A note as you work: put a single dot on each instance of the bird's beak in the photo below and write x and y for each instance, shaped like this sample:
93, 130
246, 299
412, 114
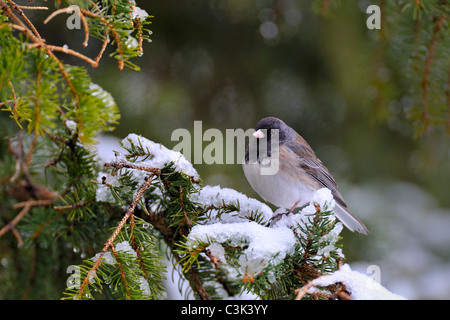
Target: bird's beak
258, 134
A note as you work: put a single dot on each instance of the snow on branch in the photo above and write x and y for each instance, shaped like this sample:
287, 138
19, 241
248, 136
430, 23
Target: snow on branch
152, 154
229, 244
358, 284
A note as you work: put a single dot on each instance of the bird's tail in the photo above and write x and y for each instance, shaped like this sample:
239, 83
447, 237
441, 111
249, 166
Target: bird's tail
349, 220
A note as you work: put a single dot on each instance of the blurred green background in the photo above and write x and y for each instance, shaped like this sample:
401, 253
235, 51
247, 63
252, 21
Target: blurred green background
230, 63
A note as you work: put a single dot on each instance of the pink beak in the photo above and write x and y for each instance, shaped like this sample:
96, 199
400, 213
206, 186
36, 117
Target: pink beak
258, 134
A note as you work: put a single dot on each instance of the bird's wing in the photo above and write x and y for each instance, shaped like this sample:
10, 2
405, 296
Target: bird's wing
315, 168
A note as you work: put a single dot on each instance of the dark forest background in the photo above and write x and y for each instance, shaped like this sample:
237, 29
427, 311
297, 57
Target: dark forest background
351, 92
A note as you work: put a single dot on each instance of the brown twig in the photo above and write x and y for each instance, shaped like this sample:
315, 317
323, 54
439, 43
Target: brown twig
55, 13
306, 271
198, 284
110, 242
21, 164
336, 290
37, 41
33, 203
11, 225
24, 17
113, 30
139, 35
120, 62
73, 53
75, 205
122, 273
300, 293
86, 29
85, 13
26, 206
123, 164
14, 101
104, 45
18, 22
18, 236
186, 218
32, 7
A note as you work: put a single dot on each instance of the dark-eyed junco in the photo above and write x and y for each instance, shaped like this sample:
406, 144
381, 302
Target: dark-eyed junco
299, 175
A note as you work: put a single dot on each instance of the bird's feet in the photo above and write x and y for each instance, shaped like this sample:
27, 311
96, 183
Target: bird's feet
278, 216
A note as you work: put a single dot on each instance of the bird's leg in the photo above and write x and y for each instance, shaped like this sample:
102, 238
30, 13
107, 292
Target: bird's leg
295, 206
279, 215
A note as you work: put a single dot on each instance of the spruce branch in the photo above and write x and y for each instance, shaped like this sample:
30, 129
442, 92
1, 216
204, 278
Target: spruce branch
121, 268
63, 111
74, 53
40, 196
110, 242
25, 18
336, 291
177, 214
34, 36
120, 164
23, 167
102, 25
26, 207
11, 225
112, 27
14, 102
32, 7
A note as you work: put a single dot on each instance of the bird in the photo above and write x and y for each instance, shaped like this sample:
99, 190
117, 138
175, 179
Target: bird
299, 174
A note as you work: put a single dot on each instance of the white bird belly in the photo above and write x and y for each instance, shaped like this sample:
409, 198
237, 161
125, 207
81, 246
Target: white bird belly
278, 189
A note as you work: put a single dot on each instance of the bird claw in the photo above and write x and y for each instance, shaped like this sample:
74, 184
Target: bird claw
278, 216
